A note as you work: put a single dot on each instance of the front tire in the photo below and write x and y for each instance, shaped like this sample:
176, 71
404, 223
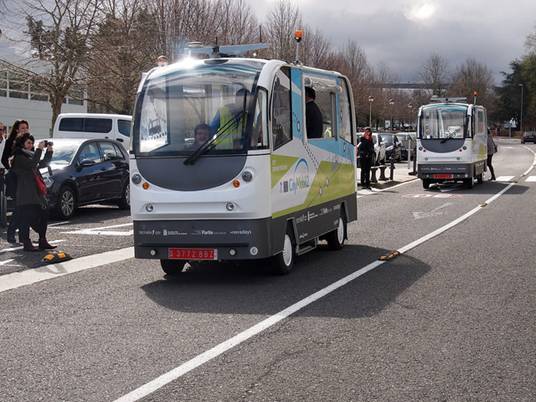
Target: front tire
66, 203
172, 267
124, 201
283, 262
468, 183
337, 237
425, 184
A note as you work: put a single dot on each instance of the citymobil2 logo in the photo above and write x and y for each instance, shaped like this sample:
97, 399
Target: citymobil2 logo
298, 180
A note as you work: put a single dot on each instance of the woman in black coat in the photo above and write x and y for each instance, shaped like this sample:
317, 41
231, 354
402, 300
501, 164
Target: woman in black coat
366, 156
31, 200
19, 128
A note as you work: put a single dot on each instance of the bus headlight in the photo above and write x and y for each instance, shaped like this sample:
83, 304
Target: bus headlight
136, 178
247, 176
229, 206
149, 207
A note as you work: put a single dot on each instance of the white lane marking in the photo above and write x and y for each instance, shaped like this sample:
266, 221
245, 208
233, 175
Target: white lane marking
505, 178
223, 347
6, 261
58, 224
31, 276
363, 192
434, 212
5, 250
533, 163
455, 222
102, 231
531, 179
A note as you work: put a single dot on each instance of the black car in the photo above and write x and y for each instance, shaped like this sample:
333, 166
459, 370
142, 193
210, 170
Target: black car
528, 136
86, 172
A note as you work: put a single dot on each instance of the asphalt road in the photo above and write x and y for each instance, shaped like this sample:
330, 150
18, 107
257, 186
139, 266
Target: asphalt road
453, 319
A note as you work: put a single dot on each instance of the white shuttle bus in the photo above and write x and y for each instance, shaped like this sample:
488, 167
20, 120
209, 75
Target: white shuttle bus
222, 167
452, 142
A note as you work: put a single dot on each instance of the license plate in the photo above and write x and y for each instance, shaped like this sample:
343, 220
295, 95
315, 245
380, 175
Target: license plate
192, 254
443, 176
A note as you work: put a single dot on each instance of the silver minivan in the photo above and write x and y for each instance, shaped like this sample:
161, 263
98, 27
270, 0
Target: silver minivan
94, 126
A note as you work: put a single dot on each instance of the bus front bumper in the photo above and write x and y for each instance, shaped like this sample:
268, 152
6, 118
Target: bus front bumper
445, 171
203, 239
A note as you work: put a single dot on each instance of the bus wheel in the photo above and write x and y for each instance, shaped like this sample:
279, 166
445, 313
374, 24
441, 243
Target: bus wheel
425, 184
172, 267
336, 238
468, 183
283, 262
480, 178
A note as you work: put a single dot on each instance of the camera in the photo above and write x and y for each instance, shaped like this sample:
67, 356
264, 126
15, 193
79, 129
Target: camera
47, 143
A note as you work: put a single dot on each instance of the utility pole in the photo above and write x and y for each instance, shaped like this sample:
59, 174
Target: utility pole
521, 114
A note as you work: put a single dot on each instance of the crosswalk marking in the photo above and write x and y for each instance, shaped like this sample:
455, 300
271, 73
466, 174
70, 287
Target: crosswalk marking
531, 179
505, 178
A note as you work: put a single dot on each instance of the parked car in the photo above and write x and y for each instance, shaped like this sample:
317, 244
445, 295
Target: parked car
86, 172
407, 141
379, 149
393, 146
528, 136
95, 126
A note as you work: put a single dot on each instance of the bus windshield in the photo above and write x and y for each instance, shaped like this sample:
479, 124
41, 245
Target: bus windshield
182, 111
443, 122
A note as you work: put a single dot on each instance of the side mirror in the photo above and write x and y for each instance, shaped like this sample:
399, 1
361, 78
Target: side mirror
86, 163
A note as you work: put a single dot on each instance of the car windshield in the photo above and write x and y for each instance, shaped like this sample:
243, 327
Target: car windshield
387, 139
182, 110
64, 152
443, 121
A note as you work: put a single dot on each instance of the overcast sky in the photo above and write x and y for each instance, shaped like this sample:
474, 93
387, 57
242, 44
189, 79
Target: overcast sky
403, 33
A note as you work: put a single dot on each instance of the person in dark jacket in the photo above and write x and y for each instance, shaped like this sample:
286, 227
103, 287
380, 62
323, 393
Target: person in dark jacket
313, 116
492, 148
31, 200
366, 156
19, 128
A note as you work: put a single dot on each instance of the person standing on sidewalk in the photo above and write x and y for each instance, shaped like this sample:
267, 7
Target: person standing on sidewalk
19, 128
31, 196
366, 155
492, 148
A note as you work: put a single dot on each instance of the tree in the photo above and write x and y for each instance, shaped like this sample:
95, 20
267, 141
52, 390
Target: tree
509, 94
473, 76
434, 73
283, 20
59, 42
123, 47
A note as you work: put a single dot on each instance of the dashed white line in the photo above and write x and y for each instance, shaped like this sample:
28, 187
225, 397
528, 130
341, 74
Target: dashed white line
223, 347
505, 178
531, 179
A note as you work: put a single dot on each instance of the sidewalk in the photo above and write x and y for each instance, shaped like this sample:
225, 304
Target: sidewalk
401, 175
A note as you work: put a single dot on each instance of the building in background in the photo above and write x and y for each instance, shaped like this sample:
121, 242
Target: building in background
20, 100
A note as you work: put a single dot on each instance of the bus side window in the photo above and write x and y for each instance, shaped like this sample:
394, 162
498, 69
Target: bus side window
325, 90
345, 126
281, 109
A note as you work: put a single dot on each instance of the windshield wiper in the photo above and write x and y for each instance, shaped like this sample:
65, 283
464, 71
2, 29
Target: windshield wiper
210, 142
450, 137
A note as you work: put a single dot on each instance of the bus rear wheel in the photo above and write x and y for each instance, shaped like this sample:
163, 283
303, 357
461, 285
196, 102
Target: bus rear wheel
468, 183
283, 262
336, 238
172, 267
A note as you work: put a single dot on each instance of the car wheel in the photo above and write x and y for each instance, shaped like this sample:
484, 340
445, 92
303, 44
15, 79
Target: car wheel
172, 267
425, 184
336, 238
124, 201
283, 262
66, 204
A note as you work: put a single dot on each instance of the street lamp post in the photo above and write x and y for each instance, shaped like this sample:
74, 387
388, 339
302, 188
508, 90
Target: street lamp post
521, 116
391, 103
370, 99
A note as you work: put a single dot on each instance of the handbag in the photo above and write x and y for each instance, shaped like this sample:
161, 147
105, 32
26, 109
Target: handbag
41, 186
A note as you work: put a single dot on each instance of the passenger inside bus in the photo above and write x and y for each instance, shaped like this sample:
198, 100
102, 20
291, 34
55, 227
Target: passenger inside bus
201, 135
313, 115
230, 121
